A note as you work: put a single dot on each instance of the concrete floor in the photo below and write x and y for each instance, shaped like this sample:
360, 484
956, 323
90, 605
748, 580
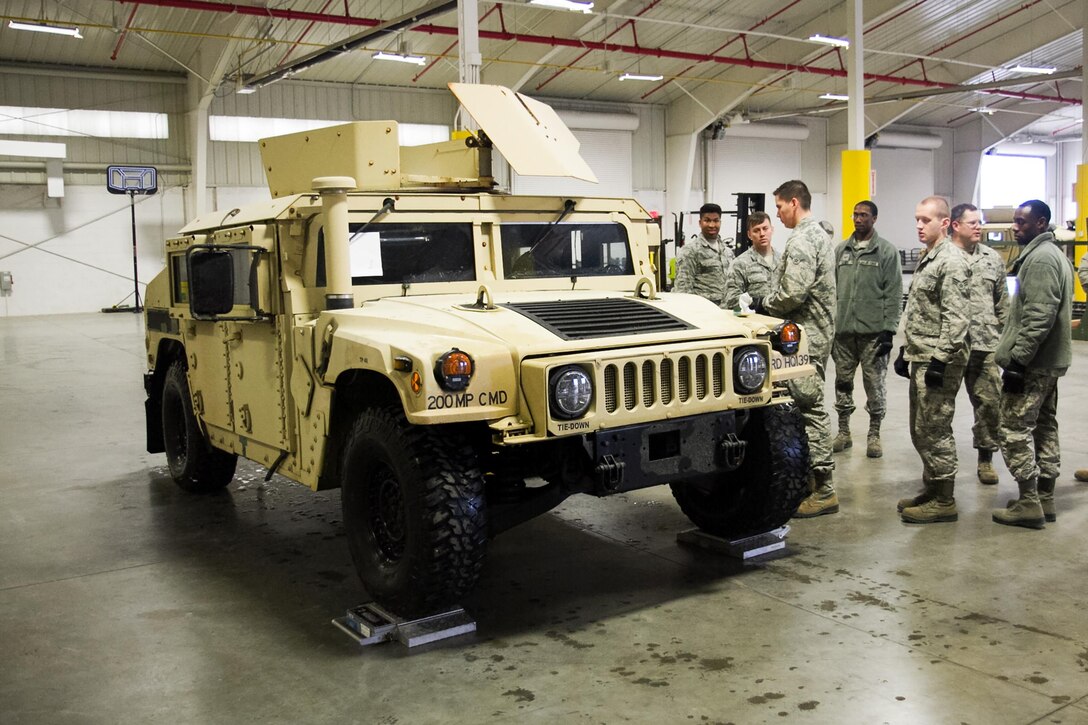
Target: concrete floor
122, 599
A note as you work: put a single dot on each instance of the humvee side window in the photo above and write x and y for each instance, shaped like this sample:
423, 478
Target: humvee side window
179, 279
398, 253
583, 250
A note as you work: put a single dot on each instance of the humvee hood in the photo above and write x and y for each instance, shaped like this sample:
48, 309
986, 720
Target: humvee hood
543, 322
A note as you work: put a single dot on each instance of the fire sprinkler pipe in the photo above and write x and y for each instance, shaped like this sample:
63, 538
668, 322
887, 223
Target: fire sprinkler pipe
581, 44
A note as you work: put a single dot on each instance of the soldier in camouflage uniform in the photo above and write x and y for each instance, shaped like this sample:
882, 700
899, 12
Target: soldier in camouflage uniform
1035, 350
751, 271
803, 288
989, 307
869, 280
935, 324
703, 266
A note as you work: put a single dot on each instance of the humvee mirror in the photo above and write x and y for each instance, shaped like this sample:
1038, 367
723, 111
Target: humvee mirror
211, 283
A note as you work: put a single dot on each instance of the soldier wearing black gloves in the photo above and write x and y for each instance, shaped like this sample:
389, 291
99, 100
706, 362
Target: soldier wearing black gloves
870, 285
1035, 350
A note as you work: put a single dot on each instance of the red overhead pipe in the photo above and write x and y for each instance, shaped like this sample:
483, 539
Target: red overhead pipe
551, 40
452, 45
124, 32
305, 32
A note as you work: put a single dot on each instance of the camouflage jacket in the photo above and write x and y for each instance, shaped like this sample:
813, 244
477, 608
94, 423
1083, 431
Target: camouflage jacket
803, 286
702, 269
935, 321
751, 272
989, 298
1037, 334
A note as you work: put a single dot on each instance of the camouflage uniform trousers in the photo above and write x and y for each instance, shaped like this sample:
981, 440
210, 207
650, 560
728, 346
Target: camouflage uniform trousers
983, 382
848, 352
931, 411
808, 393
1029, 428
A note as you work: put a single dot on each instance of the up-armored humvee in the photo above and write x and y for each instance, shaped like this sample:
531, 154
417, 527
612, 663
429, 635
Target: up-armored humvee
458, 360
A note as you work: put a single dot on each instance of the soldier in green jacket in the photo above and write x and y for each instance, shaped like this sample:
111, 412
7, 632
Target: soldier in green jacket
869, 284
935, 326
803, 289
704, 265
1035, 350
989, 308
751, 272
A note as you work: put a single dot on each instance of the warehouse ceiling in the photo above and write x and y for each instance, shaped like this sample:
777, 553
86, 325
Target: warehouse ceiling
748, 57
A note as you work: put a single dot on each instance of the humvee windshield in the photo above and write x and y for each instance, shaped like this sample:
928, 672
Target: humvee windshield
564, 250
384, 253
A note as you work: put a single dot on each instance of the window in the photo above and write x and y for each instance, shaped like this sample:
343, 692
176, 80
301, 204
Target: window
564, 250
31, 121
1011, 180
400, 253
180, 279
250, 129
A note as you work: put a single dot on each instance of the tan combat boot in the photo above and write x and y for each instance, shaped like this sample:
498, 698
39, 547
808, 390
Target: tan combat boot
873, 448
1046, 498
822, 500
942, 507
986, 472
842, 441
1025, 511
918, 499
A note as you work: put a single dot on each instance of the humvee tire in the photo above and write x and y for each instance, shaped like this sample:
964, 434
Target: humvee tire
414, 512
194, 465
767, 488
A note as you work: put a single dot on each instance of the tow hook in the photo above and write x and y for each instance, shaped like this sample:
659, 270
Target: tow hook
732, 451
610, 473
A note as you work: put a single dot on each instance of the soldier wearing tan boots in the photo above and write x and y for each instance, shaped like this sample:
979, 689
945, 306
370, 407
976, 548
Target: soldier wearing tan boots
1035, 349
988, 310
935, 326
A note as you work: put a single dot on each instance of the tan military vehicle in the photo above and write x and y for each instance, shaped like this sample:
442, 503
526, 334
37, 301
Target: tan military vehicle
457, 360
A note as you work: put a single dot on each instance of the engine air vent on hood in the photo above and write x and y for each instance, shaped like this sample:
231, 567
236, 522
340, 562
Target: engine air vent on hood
582, 319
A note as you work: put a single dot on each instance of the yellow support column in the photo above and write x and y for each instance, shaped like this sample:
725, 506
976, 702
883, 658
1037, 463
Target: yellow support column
856, 167
1082, 221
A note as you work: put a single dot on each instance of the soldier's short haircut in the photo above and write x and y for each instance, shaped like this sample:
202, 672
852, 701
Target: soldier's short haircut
795, 189
960, 209
1039, 209
709, 209
756, 218
871, 205
940, 204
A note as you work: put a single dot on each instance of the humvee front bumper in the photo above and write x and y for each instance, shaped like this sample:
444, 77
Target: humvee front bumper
692, 449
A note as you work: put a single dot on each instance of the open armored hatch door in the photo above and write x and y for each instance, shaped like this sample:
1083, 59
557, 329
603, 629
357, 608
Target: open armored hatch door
528, 133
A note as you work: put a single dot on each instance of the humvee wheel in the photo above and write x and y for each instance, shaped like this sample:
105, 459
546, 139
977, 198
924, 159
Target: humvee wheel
414, 512
766, 489
194, 464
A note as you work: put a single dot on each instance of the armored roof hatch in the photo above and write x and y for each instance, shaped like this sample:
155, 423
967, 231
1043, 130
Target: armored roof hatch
528, 133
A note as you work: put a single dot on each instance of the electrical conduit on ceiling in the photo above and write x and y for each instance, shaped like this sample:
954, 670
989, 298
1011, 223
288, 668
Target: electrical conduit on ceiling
553, 41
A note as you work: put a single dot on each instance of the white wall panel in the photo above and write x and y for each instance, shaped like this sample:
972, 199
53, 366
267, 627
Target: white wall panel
76, 255
903, 178
608, 153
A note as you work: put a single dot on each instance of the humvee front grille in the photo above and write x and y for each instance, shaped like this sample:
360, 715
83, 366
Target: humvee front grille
699, 376
584, 319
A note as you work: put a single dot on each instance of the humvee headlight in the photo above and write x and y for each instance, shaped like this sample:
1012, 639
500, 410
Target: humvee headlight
786, 338
453, 370
571, 392
749, 370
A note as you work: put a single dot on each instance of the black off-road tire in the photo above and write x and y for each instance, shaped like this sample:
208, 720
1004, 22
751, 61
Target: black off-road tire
194, 464
767, 488
414, 512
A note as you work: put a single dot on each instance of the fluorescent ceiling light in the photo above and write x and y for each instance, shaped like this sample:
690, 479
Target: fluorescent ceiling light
639, 77
1043, 69
574, 5
984, 109
400, 57
245, 90
828, 40
835, 97
45, 28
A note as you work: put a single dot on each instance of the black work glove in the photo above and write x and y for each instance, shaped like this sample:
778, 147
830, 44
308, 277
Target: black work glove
901, 366
935, 373
757, 306
883, 343
1012, 380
